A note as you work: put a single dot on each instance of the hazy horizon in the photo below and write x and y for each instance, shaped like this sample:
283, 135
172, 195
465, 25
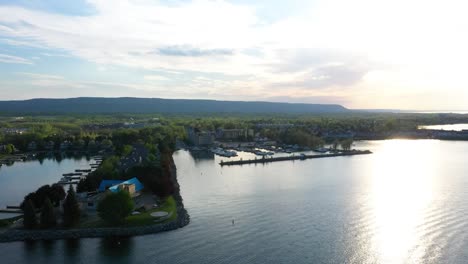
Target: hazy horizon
361, 54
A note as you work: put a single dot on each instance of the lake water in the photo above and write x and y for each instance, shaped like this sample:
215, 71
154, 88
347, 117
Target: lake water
454, 127
22, 178
406, 203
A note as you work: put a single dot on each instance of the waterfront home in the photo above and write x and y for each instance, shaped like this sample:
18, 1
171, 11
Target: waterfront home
65, 145
50, 145
15, 131
106, 184
89, 201
92, 145
32, 146
132, 186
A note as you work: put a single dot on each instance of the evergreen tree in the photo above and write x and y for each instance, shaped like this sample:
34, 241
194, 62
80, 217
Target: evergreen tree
29, 219
71, 209
48, 219
115, 207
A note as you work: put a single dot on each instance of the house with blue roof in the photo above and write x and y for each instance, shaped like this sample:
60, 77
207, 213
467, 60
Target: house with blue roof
132, 186
106, 184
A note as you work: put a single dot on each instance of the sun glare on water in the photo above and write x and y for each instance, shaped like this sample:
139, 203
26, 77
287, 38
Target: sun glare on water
402, 188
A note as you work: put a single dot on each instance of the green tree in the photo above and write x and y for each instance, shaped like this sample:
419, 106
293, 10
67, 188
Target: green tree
29, 219
9, 149
347, 144
115, 207
71, 209
48, 219
335, 145
106, 143
127, 149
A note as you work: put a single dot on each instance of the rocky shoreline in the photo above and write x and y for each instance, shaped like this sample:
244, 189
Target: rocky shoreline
182, 220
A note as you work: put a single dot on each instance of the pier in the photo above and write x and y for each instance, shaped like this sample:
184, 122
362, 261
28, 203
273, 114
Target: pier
298, 157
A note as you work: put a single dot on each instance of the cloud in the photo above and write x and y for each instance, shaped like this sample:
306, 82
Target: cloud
320, 51
13, 42
155, 78
14, 59
193, 52
40, 76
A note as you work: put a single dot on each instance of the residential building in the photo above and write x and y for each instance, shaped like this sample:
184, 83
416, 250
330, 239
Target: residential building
234, 134
200, 138
32, 146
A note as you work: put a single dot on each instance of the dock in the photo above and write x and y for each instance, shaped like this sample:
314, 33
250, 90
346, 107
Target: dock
72, 174
11, 211
87, 170
296, 157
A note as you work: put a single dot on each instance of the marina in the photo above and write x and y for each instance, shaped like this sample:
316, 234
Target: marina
22, 174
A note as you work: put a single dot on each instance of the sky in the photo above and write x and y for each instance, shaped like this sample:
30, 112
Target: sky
375, 54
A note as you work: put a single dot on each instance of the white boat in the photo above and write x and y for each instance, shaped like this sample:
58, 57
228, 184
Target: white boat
224, 153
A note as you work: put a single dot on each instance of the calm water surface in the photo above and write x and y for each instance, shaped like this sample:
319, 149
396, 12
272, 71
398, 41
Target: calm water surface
454, 127
22, 178
406, 203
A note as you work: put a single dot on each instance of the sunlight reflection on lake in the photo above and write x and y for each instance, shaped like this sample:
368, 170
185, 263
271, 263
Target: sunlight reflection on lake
405, 203
403, 185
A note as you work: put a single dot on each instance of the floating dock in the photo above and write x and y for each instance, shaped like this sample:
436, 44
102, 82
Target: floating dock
10, 211
88, 170
295, 157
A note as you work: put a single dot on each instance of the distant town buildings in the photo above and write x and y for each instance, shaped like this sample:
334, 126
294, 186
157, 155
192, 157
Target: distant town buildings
272, 125
207, 138
50, 145
234, 134
200, 138
32, 146
14, 131
65, 145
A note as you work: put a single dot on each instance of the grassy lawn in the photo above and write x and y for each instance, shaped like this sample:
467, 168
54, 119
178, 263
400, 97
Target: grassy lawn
7, 222
142, 219
146, 219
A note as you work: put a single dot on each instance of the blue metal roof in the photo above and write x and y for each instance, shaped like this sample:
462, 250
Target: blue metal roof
105, 184
138, 185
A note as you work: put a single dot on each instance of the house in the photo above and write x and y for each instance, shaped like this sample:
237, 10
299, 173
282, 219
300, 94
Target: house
32, 146
15, 131
132, 186
106, 184
65, 145
90, 201
92, 145
50, 145
139, 154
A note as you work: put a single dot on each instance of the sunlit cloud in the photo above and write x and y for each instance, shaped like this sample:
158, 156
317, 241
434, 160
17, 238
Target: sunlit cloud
14, 59
373, 53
